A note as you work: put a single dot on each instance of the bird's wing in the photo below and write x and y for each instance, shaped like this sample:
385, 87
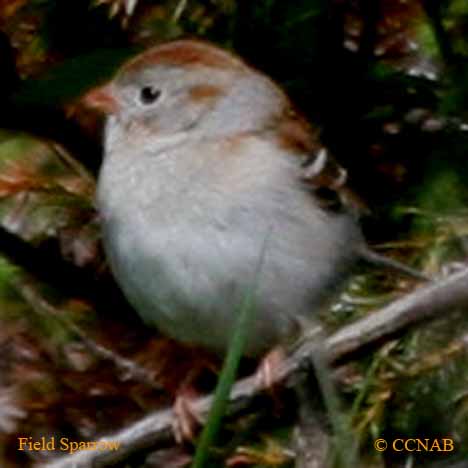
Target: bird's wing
321, 173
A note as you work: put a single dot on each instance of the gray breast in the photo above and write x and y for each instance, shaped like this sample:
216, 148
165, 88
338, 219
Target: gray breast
186, 253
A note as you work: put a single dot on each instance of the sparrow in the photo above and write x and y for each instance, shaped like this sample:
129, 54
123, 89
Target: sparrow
213, 186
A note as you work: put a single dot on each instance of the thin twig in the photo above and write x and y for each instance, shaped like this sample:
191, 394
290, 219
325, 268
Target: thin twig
127, 368
424, 303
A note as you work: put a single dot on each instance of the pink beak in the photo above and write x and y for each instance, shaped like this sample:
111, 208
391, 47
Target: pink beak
101, 98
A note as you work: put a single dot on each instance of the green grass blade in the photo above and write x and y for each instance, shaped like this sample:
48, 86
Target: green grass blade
229, 370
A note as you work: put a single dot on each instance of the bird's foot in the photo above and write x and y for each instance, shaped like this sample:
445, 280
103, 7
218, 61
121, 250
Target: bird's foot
268, 371
186, 419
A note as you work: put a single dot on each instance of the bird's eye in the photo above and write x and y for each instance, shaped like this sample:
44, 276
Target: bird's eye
149, 95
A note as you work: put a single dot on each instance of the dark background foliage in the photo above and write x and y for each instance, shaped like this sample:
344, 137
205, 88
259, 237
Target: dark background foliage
384, 80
